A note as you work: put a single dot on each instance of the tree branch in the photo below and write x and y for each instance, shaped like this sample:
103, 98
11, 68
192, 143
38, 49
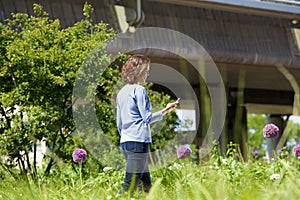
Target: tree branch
3, 113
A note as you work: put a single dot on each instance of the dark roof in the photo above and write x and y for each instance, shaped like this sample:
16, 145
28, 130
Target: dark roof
68, 11
227, 36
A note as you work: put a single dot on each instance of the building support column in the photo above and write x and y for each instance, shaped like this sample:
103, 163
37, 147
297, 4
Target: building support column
237, 129
203, 116
237, 117
223, 140
244, 135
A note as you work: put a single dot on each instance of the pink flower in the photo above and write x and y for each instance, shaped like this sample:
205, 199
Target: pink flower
255, 153
79, 155
184, 152
282, 153
296, 150
270, 131
279, 151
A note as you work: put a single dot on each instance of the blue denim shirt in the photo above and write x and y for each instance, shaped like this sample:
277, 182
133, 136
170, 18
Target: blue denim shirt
134, 114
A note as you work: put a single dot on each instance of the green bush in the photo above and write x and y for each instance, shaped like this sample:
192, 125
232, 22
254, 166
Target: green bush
40, 62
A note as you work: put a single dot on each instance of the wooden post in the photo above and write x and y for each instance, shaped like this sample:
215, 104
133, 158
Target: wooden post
223, 141
244, 136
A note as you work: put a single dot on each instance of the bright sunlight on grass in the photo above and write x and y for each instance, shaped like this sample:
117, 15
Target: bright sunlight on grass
217, 178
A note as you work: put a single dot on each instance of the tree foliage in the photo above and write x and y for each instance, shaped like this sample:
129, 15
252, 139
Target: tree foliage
293, 130
256, 124
39, 64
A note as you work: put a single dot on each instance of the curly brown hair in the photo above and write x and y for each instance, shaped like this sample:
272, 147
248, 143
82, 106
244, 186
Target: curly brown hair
134, 67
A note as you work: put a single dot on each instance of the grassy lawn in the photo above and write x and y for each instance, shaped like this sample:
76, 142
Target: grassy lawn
217, 178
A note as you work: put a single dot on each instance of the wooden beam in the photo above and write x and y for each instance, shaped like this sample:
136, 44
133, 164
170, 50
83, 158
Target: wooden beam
260, 96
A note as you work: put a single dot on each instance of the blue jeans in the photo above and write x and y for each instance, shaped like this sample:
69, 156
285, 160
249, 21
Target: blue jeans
137, 171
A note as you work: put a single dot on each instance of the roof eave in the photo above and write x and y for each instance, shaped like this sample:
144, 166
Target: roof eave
262, 8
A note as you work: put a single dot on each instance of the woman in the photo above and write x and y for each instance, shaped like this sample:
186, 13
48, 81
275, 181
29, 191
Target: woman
134, 117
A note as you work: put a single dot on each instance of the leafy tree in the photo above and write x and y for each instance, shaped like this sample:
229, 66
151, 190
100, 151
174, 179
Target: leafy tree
293, 130
39, 64
256, 124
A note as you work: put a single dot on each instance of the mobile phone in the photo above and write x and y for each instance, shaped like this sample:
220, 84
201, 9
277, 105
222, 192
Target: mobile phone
178, 100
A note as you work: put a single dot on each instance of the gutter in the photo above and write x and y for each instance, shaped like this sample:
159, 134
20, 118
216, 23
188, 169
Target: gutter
253, 7
129, 14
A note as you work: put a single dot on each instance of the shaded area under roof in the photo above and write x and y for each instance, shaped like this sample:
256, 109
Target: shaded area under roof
229, 37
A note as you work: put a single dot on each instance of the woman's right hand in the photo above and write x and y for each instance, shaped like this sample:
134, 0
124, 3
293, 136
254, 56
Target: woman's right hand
170, 107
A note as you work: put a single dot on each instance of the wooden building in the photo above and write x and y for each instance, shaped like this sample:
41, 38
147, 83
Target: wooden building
254, 44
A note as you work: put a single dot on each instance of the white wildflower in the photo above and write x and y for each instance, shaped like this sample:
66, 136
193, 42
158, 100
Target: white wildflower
224, 161
106, 169
275, 177
177, 166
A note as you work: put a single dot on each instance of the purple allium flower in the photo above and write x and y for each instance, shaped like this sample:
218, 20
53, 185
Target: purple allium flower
255, 153
270, 131
279, 151
79, 155
296, 150
184, 152
282, 153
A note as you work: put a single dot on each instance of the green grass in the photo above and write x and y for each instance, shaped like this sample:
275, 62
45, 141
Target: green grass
215, 179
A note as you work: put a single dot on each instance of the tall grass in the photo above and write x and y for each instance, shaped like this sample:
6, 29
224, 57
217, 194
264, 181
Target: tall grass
218, 178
